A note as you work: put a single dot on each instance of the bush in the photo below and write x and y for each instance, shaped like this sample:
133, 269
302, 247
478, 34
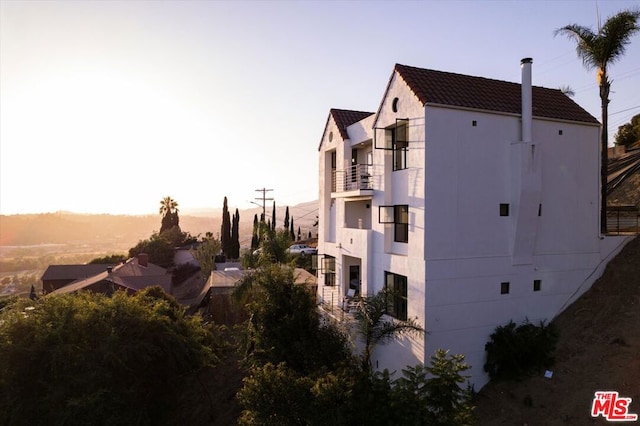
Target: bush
516, 351
89, 359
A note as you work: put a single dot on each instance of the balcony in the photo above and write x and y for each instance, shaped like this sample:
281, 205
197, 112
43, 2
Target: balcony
353, 181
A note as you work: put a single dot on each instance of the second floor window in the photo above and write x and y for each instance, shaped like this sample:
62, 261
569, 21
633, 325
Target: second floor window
398, 215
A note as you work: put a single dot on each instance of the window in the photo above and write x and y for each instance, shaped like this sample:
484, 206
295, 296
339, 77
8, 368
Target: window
504, 209
329, 269
504, 288
536, 285
399, 216
399, 144
396, 286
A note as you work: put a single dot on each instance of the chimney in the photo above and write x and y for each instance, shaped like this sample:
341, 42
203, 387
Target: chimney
143, 259
527, 96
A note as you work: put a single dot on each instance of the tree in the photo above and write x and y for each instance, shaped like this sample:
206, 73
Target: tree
234, 243
206, 252
286, 218
255, 242
160, 251
225, 229
433, 395
599, 50
293, 235
112, 259
273, 216
375, 327
169, 211
84, 358
629, 133
284, 323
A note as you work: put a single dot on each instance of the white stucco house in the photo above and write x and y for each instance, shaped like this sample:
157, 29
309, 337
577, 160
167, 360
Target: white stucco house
476, 199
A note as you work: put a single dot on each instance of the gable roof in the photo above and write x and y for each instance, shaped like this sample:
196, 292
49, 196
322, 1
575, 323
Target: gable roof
343, 119
129, 274
72, 272
459, 90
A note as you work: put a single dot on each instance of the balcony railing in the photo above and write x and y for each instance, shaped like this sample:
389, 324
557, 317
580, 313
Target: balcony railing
354, 178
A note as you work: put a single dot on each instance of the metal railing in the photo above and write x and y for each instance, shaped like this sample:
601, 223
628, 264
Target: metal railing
356, 177
624, 219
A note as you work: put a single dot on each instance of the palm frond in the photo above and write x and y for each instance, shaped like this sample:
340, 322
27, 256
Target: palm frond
586, 43
616, 33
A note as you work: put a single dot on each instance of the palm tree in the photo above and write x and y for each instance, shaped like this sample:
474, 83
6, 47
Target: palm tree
169, 211
599, 50
375, 328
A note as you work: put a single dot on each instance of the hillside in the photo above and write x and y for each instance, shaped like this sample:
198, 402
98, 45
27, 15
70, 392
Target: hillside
599, 349
124, 230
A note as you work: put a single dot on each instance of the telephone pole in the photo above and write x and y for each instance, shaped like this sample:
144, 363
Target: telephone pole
264, 201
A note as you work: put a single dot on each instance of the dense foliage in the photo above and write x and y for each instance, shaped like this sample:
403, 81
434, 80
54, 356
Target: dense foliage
285, 325
277, 395
516, 351
629, 133
159, 249
85, 358
111, 259
301, 370
169, 211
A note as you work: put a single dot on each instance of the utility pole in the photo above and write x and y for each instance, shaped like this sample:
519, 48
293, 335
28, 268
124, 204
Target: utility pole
264, 201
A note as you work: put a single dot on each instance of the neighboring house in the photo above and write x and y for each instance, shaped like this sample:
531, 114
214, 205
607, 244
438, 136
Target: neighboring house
222, 283
184, 255
476, 200
131, 276
58, 276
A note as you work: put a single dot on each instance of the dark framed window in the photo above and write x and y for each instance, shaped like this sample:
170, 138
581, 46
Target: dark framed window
329, 269
399, 144
504, 209
504, 288
536, 285
396, 286
398, 215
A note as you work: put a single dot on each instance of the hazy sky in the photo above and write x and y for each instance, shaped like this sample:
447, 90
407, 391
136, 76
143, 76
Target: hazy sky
108, 106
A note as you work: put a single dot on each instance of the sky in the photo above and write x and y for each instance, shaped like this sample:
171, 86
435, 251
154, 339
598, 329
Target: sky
109, 106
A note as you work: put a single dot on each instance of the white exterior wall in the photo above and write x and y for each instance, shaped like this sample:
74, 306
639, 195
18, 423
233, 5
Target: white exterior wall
470, 172
460, 249
401, 187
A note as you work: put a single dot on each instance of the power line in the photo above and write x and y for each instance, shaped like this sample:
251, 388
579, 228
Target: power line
624, 110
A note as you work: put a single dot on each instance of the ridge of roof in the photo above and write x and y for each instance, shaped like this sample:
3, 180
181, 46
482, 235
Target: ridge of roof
461, 90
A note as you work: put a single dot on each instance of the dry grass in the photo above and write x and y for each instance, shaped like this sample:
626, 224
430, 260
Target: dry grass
599, 349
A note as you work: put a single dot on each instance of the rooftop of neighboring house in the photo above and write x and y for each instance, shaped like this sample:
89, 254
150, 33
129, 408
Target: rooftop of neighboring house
229, 278
134, 274
465, 91
72, 272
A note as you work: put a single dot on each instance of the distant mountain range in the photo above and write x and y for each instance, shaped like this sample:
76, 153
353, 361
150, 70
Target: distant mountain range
65, 227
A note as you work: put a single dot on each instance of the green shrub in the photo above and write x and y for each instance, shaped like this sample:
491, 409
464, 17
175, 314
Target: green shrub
516, 351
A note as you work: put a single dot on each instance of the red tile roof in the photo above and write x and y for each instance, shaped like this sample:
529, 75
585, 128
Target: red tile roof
466, 91
345, 118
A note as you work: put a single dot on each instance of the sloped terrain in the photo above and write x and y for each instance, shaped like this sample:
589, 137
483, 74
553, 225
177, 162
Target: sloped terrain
598, 349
